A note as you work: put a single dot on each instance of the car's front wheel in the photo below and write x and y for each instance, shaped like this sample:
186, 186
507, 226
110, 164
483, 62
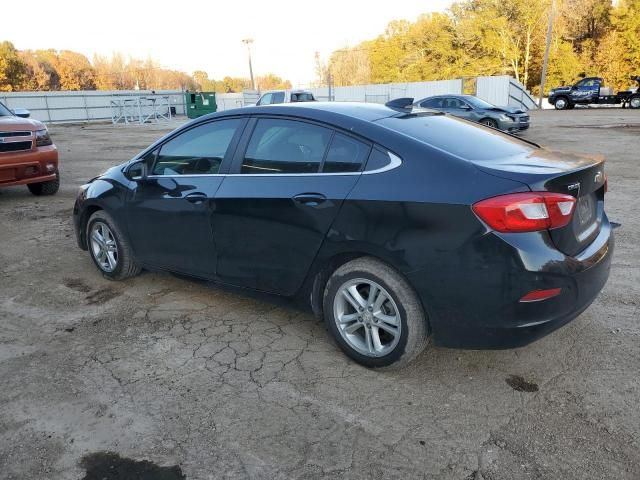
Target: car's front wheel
374, 314
489, 122
561, 103
45, 188
109, 248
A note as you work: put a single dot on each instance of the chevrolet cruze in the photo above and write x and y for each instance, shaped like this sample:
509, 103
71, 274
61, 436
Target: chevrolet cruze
399, 226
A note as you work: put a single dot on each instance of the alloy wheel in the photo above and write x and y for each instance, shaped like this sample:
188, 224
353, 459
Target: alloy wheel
367, 317
635, 102
104, 247
561, 103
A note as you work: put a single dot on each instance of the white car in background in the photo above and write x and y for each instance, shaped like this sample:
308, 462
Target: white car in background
285, 96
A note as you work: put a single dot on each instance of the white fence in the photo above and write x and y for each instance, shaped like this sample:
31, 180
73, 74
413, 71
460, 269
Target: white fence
504, 90
86, 106
83, 106
382, 93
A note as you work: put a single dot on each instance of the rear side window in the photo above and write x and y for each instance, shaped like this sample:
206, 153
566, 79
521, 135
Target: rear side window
457, 137
346, 154
377, 159
278, 97
302, 97
285, 146
197, 151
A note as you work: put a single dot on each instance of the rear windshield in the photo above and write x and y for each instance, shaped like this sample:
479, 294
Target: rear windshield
460, 138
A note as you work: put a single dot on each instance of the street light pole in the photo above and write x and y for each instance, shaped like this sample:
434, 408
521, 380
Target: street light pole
546, 53
248, 42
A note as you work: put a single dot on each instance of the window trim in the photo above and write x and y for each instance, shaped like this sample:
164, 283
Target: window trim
233, 159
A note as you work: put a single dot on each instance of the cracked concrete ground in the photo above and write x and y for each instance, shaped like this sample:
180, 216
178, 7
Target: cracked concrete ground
227, 385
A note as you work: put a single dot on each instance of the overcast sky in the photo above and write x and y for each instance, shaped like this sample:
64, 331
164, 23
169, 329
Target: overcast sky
206, 34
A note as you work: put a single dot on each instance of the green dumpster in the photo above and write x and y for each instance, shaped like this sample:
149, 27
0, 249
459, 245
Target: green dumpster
200, 103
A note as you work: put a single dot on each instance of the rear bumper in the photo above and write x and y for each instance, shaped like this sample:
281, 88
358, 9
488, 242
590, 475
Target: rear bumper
22, 168
484, 311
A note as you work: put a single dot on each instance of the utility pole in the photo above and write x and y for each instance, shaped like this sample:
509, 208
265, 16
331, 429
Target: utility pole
248, 42
329, 82
546, 52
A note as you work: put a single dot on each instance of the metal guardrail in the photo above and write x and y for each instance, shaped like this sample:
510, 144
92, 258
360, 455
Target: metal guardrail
49, 113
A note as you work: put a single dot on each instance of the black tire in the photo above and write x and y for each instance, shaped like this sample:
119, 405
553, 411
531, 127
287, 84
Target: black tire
45, 188
562, 103
413, 336
634, 101
126, 266
489, 122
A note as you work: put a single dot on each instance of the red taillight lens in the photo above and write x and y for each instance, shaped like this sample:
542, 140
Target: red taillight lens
526, 212
606, 183
539, 295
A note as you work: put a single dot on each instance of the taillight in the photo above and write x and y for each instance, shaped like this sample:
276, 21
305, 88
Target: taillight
526, 212
606, 183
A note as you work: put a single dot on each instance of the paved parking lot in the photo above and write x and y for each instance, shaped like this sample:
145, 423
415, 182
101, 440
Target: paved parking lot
222, 385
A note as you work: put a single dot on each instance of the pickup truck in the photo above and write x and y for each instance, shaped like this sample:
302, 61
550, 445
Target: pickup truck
285, 96
591, 91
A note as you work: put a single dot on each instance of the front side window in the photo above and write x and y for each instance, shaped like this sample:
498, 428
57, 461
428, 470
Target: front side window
4, 111
432, 103
346, 154
265, 99
198, 151
455, 104
587, 83
285, 146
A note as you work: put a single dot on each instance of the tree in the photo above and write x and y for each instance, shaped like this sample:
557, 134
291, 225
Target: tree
12, 68
271, 81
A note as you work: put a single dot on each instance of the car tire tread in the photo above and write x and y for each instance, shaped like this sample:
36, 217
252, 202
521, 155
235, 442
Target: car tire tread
45, 188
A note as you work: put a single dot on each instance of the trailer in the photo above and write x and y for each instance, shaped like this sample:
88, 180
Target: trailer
591, 91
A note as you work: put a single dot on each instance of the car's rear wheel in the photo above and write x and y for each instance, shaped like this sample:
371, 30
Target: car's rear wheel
489, 122
374, 314
634, 102
561, 103
109, 248
45, 188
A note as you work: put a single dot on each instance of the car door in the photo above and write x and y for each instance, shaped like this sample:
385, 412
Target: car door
459, 108
586, 91
273, 211
169, 211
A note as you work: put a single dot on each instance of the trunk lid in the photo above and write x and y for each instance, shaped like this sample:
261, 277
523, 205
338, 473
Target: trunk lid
580, 176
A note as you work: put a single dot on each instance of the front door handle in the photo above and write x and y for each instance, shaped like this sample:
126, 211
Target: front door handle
310, 199
196, 197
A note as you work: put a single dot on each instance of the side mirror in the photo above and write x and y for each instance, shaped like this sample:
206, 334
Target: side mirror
137, 171
21, 112
466, 107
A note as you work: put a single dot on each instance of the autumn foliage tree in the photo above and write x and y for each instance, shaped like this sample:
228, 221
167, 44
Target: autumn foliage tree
501, 37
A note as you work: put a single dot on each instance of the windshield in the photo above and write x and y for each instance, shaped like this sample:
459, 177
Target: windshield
476, 102
4, 111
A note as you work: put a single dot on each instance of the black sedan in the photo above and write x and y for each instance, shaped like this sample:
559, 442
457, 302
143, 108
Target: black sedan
398, 226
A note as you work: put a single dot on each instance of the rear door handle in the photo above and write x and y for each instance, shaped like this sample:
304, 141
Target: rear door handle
310, 199
196, 197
